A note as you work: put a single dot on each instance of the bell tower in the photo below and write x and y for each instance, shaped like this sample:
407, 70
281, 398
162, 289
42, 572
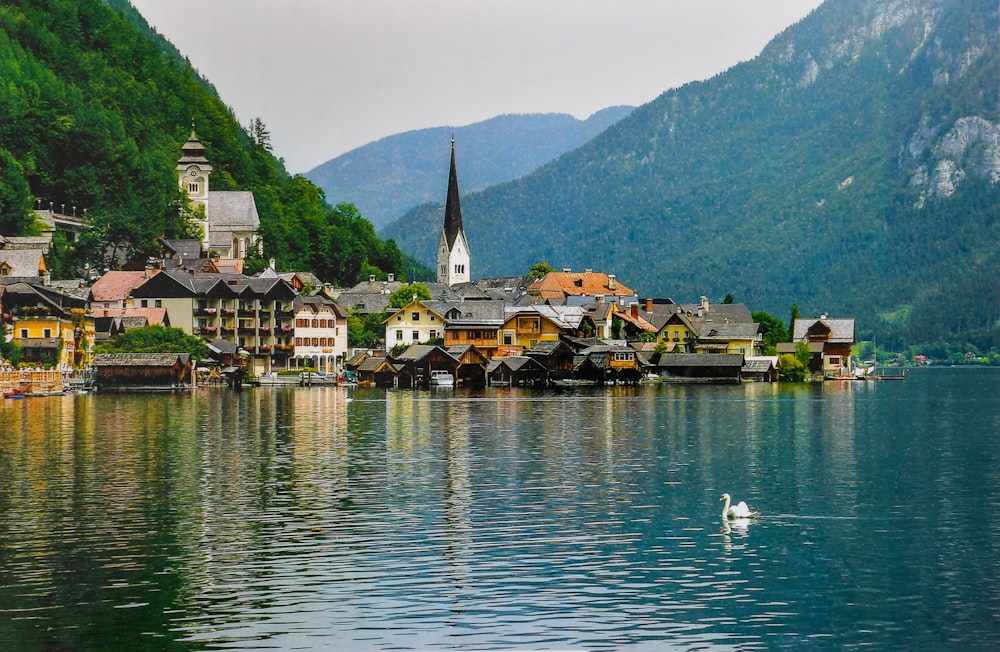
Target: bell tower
454, 259
193, 171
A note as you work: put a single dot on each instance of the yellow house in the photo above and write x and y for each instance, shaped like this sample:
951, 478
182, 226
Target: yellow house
51, 327
528, 325
413, 324
678, 332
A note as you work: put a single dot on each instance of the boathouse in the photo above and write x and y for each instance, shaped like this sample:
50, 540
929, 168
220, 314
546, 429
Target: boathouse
143, 370
701, 367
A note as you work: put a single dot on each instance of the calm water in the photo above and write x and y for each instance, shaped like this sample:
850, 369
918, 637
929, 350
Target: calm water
298, 519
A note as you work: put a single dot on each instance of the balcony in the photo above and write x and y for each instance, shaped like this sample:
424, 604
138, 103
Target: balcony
205, 312
285, 315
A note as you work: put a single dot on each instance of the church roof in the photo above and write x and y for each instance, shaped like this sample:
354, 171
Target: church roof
230, 211
193, 153
453, 206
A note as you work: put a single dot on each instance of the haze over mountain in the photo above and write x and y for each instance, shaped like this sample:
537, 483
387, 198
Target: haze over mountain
850, 168
386, 178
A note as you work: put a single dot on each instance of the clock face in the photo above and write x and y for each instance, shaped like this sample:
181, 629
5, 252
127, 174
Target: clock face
193, 173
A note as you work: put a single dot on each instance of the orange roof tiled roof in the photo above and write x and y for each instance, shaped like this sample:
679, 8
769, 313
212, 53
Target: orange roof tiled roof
559, 285
116, 285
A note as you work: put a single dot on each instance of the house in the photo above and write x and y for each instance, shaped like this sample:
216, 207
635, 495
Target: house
556, 287
53, 328
517, 370
729, 337
830, 342
112, 291
473, 322
320, 334
256, 314
22, 264
143, 370
526, 326
418, 322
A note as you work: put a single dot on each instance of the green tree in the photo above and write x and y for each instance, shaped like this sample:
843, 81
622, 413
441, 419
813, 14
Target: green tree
15, 197
795, 315
154, 339
9, 351
539, 270
772, 331
402, 297
729, 298
791, 368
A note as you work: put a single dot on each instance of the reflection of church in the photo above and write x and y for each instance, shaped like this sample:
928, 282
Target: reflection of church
228, 219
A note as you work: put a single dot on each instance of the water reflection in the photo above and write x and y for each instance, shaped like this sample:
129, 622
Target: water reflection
291, 517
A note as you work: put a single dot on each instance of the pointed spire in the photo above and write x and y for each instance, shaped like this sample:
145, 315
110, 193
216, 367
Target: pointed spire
453, 207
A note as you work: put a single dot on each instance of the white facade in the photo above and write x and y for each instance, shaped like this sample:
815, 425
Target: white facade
320, 338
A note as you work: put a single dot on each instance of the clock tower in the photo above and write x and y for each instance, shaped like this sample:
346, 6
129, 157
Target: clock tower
193, 170
454, 259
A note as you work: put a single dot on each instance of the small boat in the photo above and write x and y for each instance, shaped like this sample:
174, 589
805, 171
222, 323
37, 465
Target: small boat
442, 379
13, 393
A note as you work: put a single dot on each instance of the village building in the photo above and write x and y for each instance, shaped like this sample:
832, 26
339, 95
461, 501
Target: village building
320, 334
416, 323
255, 314
53, 328
143, 371
560, 287
526, 326
829, 341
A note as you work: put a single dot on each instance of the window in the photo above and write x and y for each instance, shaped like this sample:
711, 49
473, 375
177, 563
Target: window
508, 339
46, 332
144, 303
157, 303
399, 336
194, 187
315, 341
24, 333
315, 323
414, 316
459, 269
624, 357
434, 334
298, 341
416, 336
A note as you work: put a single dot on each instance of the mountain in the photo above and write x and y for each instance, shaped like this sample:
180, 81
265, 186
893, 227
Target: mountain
94, 109
850, 168
386, 178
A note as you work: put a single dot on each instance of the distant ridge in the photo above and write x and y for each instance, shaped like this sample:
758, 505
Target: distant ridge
386, 178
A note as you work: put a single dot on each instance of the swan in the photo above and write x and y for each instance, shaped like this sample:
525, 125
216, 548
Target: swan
737, 511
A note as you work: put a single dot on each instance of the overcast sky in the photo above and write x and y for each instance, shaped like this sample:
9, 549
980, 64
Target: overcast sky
327, 76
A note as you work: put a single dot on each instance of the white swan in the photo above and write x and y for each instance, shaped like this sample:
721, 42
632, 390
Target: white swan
737, 511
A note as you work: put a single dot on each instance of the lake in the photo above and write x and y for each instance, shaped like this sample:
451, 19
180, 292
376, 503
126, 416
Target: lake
585, 519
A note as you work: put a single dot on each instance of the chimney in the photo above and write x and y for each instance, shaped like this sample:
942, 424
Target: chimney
635, 310
599, 298
704, 303
392, 277
611, 282
371, 278
567, 270
649, 305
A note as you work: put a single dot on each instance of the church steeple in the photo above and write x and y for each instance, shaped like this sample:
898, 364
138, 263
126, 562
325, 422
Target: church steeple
193, 170
453, 252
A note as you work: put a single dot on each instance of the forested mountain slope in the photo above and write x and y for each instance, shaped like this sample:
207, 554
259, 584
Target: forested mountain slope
386, 178
94, 107
850, 168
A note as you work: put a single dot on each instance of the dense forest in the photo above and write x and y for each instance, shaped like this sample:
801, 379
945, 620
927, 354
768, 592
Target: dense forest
95, 107
851, 169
